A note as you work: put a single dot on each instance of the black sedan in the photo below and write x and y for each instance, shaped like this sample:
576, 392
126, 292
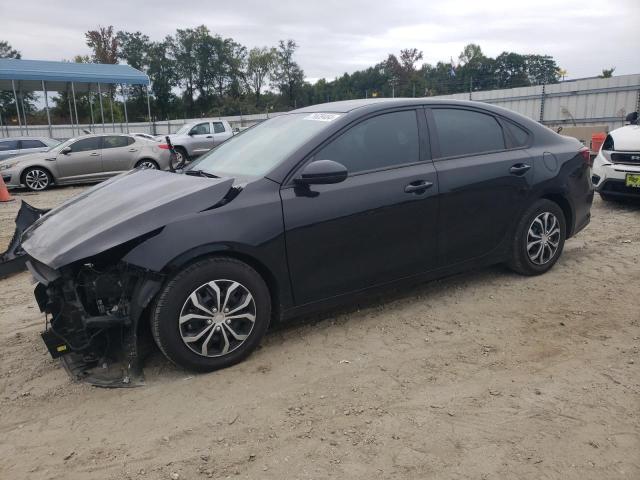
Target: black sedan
300, 212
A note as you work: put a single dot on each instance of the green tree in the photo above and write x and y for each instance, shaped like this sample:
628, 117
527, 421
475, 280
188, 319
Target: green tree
104, 44
260, 63
7, 51
607, 72
287, 74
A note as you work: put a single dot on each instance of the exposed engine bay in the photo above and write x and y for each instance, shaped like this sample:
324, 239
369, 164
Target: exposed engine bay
92, 313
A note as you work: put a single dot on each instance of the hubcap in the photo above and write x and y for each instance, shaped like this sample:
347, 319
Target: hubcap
543, 238
36, 180
149, 165
217, 318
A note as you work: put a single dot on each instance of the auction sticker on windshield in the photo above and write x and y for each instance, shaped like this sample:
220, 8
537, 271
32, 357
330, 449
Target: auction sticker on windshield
322, 117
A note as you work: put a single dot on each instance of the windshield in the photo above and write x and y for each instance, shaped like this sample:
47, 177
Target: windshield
184, 129
60, 146
257, 150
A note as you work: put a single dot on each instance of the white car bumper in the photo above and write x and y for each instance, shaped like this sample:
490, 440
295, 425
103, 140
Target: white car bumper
609, 178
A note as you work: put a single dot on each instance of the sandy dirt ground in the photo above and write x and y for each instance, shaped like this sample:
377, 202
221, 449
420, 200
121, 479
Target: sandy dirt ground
481, 376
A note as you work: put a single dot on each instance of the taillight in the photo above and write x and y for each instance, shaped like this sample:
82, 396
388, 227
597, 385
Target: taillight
163, 146
586, 156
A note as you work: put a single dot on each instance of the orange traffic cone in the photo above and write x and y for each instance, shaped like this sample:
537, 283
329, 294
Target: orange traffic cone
4, 193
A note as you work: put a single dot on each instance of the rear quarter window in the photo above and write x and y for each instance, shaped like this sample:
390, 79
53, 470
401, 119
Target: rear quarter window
467, 132
519, 136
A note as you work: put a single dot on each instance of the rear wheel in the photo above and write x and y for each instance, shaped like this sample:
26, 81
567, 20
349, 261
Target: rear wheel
539, 238
212, 314
37, 179
147, 163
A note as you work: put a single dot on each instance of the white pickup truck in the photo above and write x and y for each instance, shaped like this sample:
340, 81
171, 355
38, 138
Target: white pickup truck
195, 138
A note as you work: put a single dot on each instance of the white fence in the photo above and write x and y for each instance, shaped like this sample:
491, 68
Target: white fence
603, 101
156, 128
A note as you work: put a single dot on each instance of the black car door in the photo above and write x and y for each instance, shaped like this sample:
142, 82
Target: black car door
377, 225
484, 178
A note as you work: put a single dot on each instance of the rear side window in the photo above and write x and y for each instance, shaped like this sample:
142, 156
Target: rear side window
115, 141
519, 135
218, 127
31, 144
8, 145
87, 144
384, 141
466, 132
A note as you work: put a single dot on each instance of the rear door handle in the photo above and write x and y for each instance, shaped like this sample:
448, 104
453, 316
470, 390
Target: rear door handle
419, 186
209, 136
133, 149
519, 169
94, 154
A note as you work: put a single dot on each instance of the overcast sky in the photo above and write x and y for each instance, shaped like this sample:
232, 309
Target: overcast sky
584, 36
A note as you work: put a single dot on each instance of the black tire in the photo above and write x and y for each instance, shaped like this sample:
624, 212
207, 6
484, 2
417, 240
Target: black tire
181, 151
175, 297
152, 164
521, 257
37, 179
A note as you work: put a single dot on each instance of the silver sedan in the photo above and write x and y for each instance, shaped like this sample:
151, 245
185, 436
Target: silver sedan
90, 158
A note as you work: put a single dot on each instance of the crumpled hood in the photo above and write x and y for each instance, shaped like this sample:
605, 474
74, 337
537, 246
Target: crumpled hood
626, 139
116, 211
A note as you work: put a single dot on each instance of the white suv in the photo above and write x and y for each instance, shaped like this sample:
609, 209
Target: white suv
616, 168
194, 139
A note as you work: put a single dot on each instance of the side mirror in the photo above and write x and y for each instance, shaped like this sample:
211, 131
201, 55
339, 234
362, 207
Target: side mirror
321, 172
65, 150
191, 133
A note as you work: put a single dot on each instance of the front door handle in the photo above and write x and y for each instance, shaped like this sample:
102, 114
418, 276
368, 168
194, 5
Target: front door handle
209, 136
519, 169
419, 186
94, 154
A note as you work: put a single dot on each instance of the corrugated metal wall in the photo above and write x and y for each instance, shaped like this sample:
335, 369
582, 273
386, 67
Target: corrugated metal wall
581, 102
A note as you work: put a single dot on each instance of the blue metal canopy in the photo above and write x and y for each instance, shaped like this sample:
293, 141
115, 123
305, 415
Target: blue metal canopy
29, 74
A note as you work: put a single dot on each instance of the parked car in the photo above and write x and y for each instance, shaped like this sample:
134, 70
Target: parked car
85, 159
616, 168
194, 139
14, 146
301, 212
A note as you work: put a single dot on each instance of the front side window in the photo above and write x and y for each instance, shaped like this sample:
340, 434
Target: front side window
201, 129
384, 141
24, 144
466, 132
115, 141
8, 145
87, 144
218, 127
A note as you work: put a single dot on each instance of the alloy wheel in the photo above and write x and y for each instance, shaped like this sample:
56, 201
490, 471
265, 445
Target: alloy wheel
36, 179
147, 164
543, 238
217, 318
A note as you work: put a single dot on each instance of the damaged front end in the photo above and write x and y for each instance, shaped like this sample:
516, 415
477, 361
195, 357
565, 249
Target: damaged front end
14, 258
92, 298
92, 317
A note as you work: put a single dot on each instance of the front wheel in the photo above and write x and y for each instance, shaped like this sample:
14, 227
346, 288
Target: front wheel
37, 179
539, 238
148, 164
211, 315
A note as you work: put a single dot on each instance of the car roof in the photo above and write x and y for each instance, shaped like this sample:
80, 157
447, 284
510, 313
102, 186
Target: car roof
372, 104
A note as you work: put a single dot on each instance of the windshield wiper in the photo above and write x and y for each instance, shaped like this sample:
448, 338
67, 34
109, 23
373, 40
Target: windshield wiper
200, 173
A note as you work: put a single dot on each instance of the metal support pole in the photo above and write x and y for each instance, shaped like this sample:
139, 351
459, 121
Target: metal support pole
15, 97
91, 108
542, 104
124, 102
24, 114
73, 128
151, 129
104, 129
46, 106
113, 122
75, 106
1, 121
